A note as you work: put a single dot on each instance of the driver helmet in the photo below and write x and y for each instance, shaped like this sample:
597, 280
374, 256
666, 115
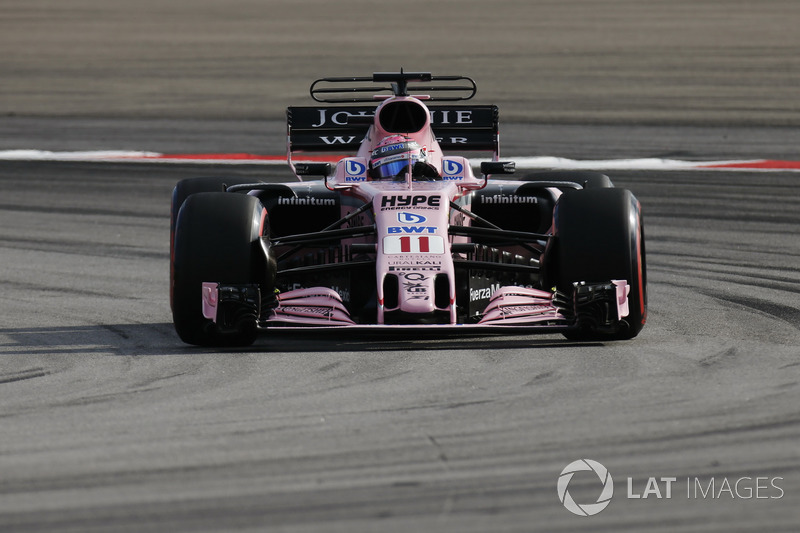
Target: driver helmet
391, 156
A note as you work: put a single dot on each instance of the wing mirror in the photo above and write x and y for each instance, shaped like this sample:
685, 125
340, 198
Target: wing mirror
494, 167
312, 169
498, 167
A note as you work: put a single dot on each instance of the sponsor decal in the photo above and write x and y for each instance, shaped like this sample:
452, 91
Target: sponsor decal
354, 171
338, 139
410, 218
419, 201
414, 285
309, 200
446, 116
326, 312
438, 116
356, 221
415, 244
412, 229
391, 159
519, 309
344, 293
484, 293
453, 140
337, 119
397, 147
415, 268
452, 169
354, 168
415, 263
508, 199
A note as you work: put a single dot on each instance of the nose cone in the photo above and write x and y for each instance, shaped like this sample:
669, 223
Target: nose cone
416, 292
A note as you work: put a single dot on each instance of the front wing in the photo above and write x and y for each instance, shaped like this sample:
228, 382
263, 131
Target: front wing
599, 306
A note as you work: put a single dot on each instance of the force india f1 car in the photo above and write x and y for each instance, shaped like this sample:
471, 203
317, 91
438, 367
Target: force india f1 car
401, 235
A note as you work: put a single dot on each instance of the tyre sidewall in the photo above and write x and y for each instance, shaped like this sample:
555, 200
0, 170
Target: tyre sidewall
183, 190
216, 239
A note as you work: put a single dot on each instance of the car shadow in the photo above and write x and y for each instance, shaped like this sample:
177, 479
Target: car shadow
160, 339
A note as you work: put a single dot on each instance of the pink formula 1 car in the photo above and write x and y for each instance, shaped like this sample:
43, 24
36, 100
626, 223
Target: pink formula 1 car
402, 234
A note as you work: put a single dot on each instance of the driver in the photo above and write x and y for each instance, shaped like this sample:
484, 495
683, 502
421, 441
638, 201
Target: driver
389, 160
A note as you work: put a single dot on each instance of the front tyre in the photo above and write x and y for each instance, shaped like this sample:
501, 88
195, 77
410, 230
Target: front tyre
183, 190
216, 240
599, 238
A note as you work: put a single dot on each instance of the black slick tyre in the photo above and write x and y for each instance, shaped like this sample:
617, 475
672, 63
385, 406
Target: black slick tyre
183, 190
216, 239
600, 237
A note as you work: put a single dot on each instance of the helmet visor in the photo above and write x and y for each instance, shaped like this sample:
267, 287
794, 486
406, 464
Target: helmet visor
392, 167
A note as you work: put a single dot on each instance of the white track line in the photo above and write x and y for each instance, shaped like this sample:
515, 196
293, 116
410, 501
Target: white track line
530, 163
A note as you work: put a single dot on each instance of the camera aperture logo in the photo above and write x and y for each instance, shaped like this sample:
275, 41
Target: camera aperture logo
606, 493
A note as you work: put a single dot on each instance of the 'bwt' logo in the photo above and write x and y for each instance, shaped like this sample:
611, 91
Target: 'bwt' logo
410, 218
452, 168
354, 168
587, 509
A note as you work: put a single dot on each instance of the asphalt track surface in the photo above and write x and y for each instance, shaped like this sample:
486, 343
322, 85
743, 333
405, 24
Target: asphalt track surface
109, 423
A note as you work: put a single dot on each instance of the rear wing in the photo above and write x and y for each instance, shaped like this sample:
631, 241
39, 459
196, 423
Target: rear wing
331, 129
342, 129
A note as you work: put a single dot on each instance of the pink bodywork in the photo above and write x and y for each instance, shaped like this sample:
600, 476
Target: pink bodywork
412, 220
